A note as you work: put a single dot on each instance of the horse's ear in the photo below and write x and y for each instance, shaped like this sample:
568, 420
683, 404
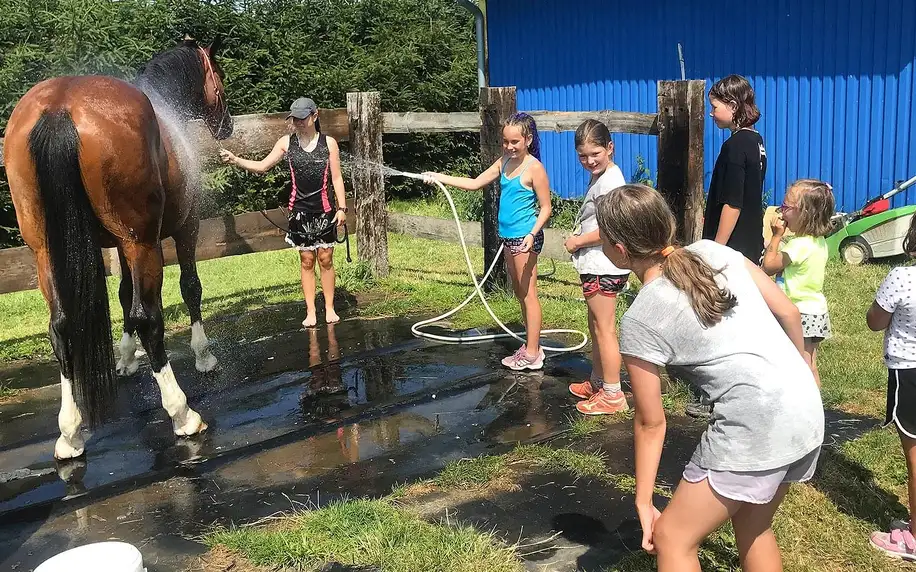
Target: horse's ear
215, 46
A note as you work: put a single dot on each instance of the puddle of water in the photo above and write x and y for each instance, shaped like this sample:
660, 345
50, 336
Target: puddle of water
240, 417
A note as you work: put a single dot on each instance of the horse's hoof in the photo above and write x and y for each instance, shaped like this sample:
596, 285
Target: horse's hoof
127, 369
64, 450
193, 425
206, 364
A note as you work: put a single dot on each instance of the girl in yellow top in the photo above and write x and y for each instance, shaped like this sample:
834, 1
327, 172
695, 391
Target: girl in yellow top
799, 261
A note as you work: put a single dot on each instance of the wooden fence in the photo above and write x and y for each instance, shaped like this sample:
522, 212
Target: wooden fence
678, 124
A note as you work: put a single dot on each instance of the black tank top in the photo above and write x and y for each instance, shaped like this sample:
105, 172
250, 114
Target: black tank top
309, 174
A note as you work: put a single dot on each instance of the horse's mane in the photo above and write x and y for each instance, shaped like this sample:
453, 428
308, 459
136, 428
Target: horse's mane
175, 77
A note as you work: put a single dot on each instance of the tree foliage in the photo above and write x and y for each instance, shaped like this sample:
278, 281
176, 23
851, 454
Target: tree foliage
420, 54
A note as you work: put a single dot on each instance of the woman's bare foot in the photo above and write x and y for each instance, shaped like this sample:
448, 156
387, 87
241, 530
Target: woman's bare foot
309, 321
331, 316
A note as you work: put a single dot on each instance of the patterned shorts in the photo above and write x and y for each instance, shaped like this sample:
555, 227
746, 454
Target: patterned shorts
816, 326
311, 231
514, 245
604, 284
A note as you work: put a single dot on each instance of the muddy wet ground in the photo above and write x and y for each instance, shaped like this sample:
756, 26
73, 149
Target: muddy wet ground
299, 418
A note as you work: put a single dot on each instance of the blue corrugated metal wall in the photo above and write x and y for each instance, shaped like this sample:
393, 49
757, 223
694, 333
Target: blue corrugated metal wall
834, 79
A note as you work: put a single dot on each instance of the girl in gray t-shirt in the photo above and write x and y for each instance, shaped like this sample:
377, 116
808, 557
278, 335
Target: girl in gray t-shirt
710, 316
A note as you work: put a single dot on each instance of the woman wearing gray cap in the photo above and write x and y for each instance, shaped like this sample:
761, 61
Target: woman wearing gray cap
314, 214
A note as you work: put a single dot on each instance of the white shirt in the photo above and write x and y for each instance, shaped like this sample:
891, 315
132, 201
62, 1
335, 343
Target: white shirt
591, 259
897, 295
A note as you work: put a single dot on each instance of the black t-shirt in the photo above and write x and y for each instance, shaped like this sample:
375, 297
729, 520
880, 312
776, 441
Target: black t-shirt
309, 177
737, 181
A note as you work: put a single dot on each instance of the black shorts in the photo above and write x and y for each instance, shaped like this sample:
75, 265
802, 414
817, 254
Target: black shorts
603, 284
901, 400
311, 231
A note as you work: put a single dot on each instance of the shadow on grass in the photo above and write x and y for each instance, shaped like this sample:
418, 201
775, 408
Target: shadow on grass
852, 488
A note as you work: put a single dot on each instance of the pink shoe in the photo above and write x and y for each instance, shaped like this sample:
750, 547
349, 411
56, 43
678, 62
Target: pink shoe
525, 361
509, 360
896, 544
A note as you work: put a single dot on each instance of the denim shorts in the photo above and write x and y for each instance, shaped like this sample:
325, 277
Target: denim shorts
755, 487
514, 245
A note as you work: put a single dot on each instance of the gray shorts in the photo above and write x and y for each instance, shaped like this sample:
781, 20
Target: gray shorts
755, 487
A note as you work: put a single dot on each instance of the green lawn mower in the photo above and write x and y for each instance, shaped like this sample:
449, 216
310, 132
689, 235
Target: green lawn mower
874, 231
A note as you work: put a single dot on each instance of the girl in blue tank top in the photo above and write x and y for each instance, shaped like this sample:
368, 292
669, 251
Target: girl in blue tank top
524, 209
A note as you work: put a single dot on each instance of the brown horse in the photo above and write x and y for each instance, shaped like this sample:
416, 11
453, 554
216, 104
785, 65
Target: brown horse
97, 162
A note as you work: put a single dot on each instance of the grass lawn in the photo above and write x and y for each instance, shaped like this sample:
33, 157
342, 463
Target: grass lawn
823, 525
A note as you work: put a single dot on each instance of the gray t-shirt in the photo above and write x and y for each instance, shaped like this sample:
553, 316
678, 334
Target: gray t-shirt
767, 410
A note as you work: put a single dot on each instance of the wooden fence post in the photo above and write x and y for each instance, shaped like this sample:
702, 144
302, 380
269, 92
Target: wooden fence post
364, 111
681, 113
497, 104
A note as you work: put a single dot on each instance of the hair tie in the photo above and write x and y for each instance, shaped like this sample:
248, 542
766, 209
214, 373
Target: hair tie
665, 252
829, 187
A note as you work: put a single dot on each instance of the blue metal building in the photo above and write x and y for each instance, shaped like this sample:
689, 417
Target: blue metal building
834, 79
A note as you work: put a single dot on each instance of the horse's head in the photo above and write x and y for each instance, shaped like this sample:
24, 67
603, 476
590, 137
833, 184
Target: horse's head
189, 81
215, 107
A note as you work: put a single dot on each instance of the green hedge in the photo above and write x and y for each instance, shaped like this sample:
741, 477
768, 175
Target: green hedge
420, 54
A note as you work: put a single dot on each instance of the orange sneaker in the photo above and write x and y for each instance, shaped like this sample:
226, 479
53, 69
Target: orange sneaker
582, 390
602, 403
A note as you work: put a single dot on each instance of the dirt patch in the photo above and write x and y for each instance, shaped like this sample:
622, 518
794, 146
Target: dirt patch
221, 559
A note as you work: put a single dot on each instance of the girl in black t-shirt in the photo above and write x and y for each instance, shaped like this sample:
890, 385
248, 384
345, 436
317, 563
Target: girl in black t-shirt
734, 205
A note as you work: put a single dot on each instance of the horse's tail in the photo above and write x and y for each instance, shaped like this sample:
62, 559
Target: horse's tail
77, 270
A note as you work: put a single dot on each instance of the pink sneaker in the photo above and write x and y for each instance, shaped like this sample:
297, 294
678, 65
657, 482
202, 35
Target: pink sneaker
896, 544
509, 360
524, 361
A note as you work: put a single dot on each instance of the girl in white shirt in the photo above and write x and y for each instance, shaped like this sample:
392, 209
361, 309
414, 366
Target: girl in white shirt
601, 280
894, 311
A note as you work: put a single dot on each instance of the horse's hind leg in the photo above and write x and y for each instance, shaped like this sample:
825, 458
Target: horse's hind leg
192, 292
128, 362
70, 444
145, 263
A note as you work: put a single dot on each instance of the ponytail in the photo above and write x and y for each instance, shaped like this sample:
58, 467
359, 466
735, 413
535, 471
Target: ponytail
317, 123
693, 276
638, 218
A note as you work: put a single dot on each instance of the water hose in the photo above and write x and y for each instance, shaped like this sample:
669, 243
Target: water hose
416, 329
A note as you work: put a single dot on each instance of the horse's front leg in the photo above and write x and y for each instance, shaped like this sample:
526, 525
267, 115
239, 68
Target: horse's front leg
146, 313
192, 292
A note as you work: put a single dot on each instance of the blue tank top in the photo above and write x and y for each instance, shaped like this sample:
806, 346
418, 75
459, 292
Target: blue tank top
517, 205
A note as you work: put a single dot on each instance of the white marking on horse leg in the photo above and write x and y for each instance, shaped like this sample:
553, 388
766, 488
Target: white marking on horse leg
205, 360
185, 421
70, 444
128, 364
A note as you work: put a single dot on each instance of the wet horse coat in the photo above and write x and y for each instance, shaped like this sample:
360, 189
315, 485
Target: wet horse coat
93, 162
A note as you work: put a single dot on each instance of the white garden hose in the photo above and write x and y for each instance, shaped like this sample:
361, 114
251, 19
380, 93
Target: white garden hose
416, 328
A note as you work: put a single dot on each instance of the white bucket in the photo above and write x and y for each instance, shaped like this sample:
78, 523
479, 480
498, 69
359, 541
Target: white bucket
97, 557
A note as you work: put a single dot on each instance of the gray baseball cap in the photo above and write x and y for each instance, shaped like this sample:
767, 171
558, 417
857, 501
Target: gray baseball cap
302, 108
